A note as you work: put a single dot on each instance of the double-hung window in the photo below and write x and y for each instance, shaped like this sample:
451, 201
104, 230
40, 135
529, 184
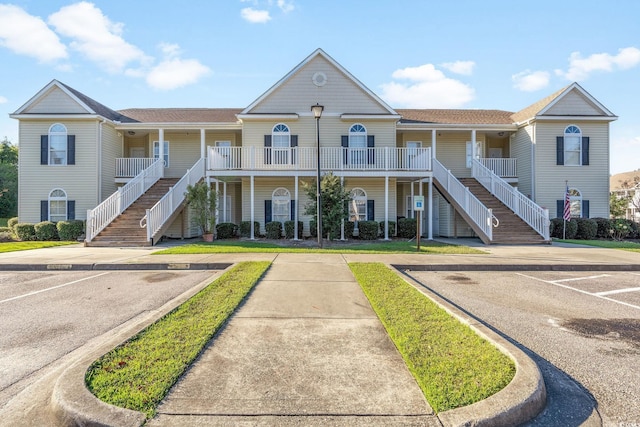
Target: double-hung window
156, 152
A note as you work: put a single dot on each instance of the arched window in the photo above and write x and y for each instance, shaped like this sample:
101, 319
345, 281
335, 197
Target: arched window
358, 205
357, 144
57, 205
572, 145
281, 142
57, 144
575, 198
281, 204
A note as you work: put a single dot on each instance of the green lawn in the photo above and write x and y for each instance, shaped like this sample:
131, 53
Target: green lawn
244, 246
23, 246
610, 244
453, 365
139, 373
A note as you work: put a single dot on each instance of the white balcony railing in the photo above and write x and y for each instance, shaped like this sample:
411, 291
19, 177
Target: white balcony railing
167, 205
331, 158
503, 167
103, 214
130, 167
479, 213
534, 215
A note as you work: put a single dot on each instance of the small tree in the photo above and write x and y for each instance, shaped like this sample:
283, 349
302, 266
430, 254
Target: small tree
202, 199
618, 205
334, 199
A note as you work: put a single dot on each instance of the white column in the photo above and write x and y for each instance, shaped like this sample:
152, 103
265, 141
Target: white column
411, 204
161, 145
420, 192
295, 211
342, 222
433, 143
217, 204
224, 202
252, 209
386, 207
430, 210
202, 144
473, 146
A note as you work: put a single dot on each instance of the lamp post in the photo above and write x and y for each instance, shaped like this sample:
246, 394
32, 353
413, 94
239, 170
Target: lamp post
317, 113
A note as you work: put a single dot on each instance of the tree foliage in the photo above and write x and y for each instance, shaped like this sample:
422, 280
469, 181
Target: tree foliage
334, 199
8, 179
618, 205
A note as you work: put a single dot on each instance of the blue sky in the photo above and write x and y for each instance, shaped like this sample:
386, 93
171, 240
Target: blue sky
413, 54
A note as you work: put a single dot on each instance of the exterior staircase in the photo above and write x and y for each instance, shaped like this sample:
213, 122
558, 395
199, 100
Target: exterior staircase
511, 229
125, 230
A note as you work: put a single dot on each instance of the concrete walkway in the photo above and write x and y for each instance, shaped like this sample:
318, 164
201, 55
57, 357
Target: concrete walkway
305, 349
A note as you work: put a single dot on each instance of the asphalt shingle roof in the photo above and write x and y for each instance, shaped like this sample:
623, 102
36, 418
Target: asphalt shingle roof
99, 108
444, 116
183, 115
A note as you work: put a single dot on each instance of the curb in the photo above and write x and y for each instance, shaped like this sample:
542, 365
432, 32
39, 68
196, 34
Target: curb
520, 401
113, 267
516, 267
72, 404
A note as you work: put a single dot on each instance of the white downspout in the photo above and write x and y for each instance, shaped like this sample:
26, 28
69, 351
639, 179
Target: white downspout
295, 210
533, 163
430, 209
99, 159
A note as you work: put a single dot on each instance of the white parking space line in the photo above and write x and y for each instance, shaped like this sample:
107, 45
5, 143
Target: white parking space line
555, 283
581, 278
52, 288
618, 291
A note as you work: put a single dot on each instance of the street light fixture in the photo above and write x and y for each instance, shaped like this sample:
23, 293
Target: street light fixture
317, 113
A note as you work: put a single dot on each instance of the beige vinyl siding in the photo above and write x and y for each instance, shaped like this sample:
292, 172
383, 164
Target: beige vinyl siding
36, 181
57, 102
521, 144
445, 212
592, 180
451, 151
424, 137
574, 104
374, 187
184, 151
111, 149
339, 94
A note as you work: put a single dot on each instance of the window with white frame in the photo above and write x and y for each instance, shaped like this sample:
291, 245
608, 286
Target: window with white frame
57, 144
572, 146
57, 205
281, 144
156, 152
358, 205
357, 144
281, 204
575, 199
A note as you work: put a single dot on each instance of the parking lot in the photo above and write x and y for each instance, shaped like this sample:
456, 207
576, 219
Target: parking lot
582, 328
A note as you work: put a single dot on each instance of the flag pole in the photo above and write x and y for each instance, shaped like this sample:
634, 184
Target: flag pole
564, 216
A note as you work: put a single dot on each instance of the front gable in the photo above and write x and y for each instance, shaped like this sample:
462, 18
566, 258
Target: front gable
54, 98
575, 101
319, 80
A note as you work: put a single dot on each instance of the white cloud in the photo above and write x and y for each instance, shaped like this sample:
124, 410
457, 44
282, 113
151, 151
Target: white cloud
95, 36
460, 67
3, 100
173, 72
29, 35
428, 88
530, 81
255, 16
580, 68
285, 6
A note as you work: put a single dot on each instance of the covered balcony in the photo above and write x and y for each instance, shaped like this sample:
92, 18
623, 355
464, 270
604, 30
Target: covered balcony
505, 168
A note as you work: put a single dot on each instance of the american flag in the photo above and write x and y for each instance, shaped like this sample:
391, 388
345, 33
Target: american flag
566, 215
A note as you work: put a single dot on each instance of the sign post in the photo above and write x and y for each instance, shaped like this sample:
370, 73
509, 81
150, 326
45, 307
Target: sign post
418, 205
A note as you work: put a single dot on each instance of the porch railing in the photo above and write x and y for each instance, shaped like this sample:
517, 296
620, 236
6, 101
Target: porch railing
534, 215
331, 158
130, 167
479, 213
103, 214
503, 167
167, 205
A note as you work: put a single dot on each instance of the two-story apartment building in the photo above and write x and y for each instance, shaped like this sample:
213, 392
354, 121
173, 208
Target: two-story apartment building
491, 173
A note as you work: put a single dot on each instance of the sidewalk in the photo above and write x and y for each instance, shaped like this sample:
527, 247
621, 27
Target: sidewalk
305, 349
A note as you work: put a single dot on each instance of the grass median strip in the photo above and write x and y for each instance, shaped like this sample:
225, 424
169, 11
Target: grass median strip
25, 246
453, 365
139, 373
242, 246
609, 244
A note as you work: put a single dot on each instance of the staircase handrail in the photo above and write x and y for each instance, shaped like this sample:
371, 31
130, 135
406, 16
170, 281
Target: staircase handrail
536, 216
481, 215
103, 214
167, 205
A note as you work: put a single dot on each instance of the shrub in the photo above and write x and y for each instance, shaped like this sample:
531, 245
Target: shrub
6, 236
368, 230
274, 229
348, 229
45, 231
11, 223
6, 230
407, 227
392, 228
552, 226
587, 229
558, 228
289, 229
620, 229
245, 228
226, 230
635, 230
70, 230
25, 231
604, 228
